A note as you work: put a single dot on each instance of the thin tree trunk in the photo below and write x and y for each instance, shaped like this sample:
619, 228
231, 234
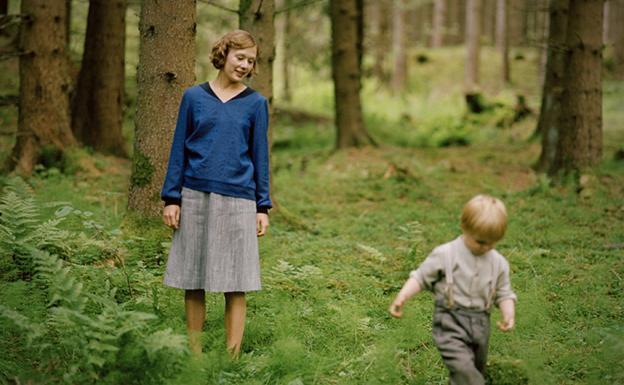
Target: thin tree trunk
543, 43
165, 70
580, 138
399, 76
548, 125
4, 7
97, 109
346, 74
44, 85
502, 40
380, 29
457, 21
439, 21
473, 35
488, 20
282, 38
617, 36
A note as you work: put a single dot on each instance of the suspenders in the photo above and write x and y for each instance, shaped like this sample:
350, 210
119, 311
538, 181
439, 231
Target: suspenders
449, 264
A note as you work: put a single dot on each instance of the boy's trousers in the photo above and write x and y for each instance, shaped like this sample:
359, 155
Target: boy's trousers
462, 336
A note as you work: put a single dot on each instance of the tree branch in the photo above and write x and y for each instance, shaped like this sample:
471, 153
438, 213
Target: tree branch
220, 6
9, 55
300, 4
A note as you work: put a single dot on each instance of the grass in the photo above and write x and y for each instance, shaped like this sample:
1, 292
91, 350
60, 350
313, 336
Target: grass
354, 223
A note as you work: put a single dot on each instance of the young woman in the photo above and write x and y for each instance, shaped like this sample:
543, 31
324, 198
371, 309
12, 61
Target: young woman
216, 191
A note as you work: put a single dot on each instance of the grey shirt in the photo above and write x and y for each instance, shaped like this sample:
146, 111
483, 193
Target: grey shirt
478, 280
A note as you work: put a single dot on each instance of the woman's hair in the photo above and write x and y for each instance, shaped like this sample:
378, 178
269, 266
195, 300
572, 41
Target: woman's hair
237, 39
486, 216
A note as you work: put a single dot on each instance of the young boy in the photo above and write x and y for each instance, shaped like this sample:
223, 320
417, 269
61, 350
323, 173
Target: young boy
467, 276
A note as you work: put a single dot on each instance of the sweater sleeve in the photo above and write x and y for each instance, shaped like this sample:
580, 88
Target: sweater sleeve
503, 284
172, 188
260, 157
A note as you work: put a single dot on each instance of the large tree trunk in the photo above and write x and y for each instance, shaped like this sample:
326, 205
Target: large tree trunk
166, 68
438, 24
399, 46
548, 125
44, 85
502, 40
97, 108
346, 74
580, 138
473, 35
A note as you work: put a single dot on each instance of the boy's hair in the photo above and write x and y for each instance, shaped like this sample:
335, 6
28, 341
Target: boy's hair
486, 216
237, 39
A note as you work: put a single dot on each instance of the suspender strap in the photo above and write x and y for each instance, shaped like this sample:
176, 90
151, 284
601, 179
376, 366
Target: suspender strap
449, 261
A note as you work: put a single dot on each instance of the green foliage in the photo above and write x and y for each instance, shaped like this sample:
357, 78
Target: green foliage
142, 169
505, 372
113, 345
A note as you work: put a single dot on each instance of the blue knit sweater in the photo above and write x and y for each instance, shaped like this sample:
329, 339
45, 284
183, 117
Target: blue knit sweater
220, 147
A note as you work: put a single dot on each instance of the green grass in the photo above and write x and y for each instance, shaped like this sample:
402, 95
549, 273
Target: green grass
352, 226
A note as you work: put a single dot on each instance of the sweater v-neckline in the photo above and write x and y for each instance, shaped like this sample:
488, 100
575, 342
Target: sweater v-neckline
246, 91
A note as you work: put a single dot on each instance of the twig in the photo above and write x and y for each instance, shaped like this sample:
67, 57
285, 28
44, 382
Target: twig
220, 6
12, 54
300, 4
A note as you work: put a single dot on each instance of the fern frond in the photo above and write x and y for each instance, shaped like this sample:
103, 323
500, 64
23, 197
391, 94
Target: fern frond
33, 330
63, 289
164, 340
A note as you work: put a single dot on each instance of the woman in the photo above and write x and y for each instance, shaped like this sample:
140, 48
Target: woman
216, 191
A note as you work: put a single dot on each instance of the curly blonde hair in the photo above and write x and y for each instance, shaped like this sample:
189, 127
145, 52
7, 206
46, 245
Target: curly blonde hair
237, 39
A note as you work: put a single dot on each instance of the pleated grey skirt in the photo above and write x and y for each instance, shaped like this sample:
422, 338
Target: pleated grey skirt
215, 247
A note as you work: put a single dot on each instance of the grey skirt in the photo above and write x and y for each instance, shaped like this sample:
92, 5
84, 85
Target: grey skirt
215, 247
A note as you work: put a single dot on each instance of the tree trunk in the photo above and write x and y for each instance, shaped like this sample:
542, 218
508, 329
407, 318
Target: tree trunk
438, 24
380, 30
456, 21
346, 74
282, 40
44, 85
166, 68
488, 21
4, 7
548, 125
543, 42
617, 36
97, 108
399, 48
473, 35
516, 20
502, 41
580, 138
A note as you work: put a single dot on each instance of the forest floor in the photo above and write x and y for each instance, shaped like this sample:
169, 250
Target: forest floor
350, 227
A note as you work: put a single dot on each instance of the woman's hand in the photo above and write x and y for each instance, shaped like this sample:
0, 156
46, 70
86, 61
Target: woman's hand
262, 223
171, 216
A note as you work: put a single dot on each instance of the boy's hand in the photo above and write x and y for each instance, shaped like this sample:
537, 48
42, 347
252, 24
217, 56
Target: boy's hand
396, 309
505, 325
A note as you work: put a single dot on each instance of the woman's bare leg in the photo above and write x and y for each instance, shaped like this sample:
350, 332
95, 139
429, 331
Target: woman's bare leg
235, 310
195, 306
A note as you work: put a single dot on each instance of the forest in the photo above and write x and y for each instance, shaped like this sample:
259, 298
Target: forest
386, 116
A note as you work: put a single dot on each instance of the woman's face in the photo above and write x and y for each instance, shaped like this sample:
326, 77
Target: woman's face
239, 63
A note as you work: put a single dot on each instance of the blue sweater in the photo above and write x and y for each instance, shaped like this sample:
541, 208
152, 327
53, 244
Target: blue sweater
220, 147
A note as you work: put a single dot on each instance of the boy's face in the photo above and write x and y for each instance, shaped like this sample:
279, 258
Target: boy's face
478, 244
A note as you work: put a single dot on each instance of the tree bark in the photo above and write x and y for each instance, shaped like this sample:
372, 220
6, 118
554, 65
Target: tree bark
97, 108
346, 74
380, 27
473, 35
580, 138
616, 31
399, 48
502, 40
166, 68
548, 125
43, 121
282, 42
438, 23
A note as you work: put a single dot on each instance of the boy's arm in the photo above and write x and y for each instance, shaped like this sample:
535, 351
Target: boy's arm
409, 289
508, 309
